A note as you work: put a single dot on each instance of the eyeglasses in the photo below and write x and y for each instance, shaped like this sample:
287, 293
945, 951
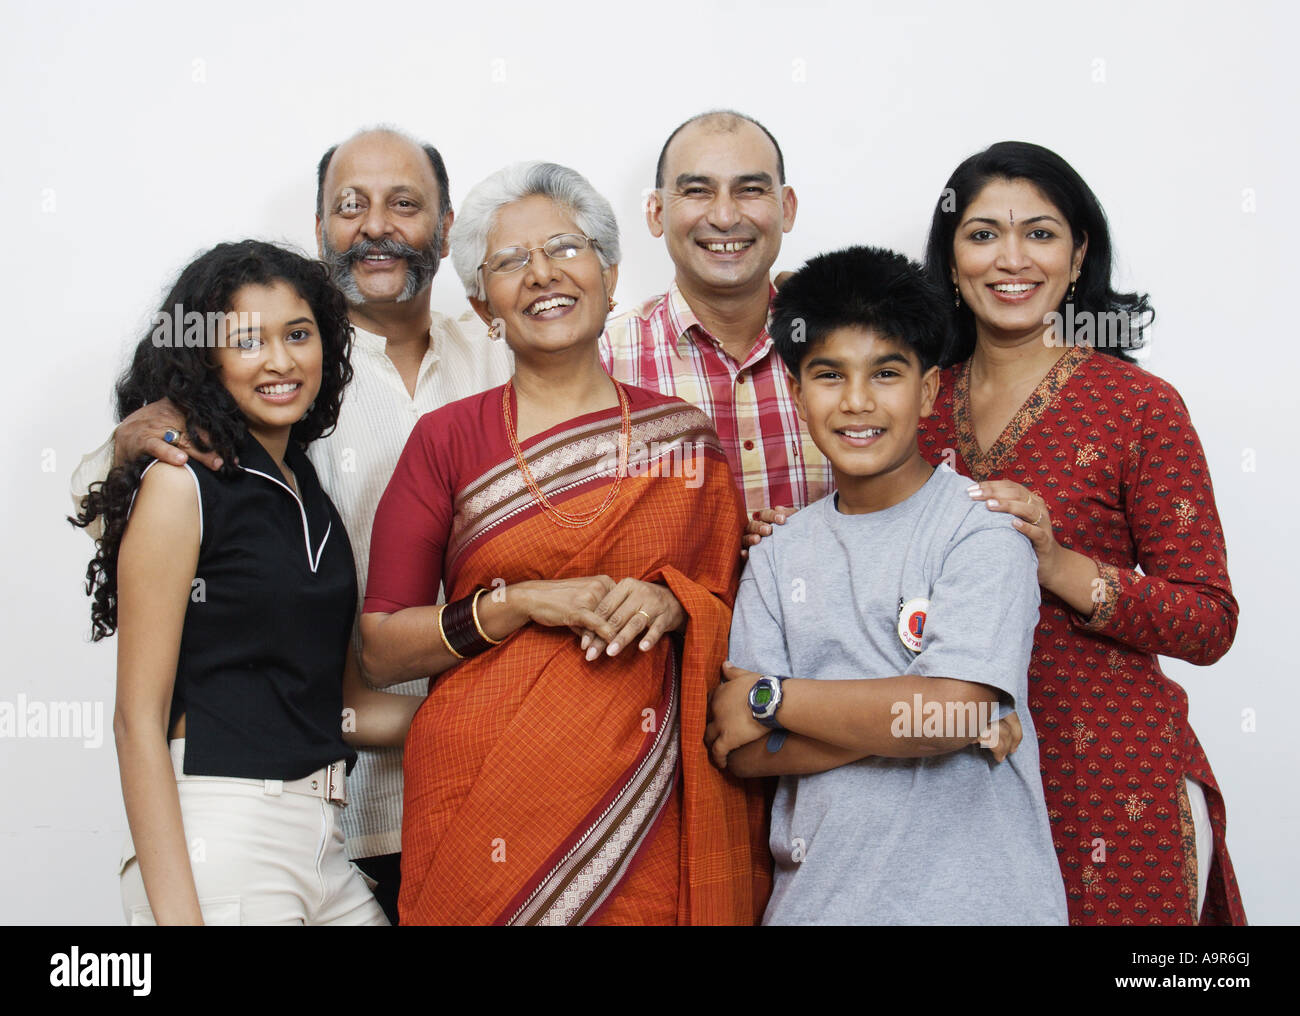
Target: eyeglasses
564, 247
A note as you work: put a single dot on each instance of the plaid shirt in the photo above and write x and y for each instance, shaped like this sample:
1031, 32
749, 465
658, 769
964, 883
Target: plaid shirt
662, 346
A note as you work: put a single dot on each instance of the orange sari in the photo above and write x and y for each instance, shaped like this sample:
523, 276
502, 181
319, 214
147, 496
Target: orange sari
543, 789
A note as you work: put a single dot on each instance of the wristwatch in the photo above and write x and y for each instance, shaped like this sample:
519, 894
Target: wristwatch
765, 700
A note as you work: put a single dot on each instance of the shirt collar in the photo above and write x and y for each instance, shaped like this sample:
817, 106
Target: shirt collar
375, 344
683, 319
256, 460
252, 455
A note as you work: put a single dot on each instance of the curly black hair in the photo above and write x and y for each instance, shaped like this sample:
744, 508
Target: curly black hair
174, 364
1066, 189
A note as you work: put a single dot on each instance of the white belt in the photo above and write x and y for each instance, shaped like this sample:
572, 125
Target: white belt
329, 783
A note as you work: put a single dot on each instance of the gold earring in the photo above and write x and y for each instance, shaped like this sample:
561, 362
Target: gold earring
611, 303
956, 295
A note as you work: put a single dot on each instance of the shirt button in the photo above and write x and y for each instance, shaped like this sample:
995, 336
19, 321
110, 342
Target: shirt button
749, 446
740, 379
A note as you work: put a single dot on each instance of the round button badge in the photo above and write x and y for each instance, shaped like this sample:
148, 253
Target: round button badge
911, 622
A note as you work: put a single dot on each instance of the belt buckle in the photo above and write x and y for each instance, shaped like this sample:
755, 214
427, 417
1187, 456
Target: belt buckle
335, 790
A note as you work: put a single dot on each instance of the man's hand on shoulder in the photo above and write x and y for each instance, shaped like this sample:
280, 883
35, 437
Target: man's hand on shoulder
144, 433
761, 524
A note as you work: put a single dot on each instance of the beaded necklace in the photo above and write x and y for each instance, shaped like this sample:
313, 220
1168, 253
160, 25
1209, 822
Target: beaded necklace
572, 520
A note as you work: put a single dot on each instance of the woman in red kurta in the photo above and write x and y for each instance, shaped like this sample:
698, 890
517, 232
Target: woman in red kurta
1099, 462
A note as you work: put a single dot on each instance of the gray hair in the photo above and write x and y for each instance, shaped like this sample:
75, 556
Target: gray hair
566, 187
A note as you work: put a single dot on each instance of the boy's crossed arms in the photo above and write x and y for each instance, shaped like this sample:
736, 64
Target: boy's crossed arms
833, 723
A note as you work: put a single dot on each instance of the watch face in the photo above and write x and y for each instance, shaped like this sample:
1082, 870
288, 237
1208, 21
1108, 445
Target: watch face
762, 695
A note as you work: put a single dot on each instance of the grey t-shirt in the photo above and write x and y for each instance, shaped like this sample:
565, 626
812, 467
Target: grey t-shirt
949, 839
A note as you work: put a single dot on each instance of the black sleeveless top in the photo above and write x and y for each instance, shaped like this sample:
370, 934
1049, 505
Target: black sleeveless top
260, 673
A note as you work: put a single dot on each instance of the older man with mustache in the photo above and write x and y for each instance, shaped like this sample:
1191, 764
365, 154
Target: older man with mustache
382, 216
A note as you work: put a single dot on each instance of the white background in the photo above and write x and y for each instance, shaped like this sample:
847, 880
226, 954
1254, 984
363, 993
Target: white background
138, 134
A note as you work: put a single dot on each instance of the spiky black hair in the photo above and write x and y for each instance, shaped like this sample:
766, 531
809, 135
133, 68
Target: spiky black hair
860, 287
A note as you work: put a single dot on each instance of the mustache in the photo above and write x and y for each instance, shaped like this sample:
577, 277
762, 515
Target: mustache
420, 260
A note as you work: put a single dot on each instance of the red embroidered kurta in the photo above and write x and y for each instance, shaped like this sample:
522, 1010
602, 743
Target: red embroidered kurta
1111, 450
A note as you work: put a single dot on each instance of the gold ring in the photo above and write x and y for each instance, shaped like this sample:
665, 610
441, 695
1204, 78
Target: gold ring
1042, 509
647, 616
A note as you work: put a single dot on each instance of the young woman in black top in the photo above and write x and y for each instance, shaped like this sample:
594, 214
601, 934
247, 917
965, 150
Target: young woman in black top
233, 594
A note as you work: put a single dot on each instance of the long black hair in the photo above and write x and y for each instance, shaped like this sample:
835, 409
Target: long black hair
1060, 184
174, 362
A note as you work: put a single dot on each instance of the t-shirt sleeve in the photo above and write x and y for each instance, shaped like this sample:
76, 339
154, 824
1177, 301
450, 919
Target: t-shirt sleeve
412, 524
983, 609
757, 636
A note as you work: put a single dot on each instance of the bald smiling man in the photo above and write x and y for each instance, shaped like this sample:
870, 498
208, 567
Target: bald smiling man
721, 204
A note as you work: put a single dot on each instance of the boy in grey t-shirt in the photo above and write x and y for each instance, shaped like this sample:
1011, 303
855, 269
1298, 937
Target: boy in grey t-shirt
881, 632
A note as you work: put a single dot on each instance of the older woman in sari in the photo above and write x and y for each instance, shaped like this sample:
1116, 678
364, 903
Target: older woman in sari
556, 773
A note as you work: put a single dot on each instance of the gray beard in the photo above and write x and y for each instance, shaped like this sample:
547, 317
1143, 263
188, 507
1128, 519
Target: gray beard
421, 266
